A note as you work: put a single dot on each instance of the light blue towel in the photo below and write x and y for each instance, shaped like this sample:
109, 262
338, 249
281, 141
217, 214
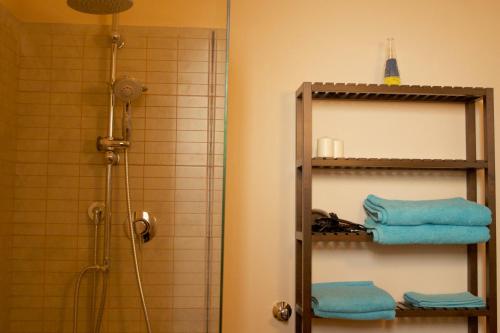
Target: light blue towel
426, 234
457, 300
455, 211
374, 315
360, 300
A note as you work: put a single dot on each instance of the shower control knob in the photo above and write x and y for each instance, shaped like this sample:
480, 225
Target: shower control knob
282, 311
144, 225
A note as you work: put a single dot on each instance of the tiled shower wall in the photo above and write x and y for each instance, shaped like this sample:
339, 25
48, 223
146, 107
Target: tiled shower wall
62, 108
9, 35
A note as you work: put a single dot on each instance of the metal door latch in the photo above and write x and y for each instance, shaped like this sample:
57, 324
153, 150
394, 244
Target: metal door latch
282, 311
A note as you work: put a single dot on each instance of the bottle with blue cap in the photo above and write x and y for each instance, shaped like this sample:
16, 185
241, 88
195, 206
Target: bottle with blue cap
391, 75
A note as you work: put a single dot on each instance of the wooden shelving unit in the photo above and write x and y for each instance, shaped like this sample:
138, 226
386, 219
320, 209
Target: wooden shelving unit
306, 164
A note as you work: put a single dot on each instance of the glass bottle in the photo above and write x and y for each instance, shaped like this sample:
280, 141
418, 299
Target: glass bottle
391, 75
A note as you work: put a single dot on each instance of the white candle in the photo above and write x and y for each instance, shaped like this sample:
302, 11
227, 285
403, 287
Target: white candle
338, 148
324, 147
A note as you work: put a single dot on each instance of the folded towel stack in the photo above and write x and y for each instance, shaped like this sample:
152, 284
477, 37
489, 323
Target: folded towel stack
427, 234
357, 300
446, 221
461, 300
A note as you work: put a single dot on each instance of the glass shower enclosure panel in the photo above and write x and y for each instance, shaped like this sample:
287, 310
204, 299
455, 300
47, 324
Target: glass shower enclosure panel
55, 103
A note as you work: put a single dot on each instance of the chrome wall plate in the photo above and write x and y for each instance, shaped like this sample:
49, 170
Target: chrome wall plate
95, 207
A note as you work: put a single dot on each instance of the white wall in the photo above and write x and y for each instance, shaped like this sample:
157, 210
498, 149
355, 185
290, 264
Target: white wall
276, 45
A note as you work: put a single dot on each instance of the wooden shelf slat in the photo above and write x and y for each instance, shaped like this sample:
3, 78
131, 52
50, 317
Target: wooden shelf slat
359, 236
402, 164
396, 93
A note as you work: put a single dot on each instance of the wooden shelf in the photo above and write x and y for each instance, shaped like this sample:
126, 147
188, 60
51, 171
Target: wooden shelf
405, 310
360, 236
375, 92
470, 167
391, 163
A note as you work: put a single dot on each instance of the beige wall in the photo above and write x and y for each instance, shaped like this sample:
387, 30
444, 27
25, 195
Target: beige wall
276, 45
173, 13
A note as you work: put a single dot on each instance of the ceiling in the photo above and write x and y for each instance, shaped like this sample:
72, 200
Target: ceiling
175, 13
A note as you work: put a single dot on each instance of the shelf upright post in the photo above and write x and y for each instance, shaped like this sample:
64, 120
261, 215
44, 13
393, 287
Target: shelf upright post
303, 209
471, 179
491, 269
299, 115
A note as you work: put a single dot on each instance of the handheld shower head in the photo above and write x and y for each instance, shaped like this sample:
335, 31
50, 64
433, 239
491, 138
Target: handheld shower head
100, 7
127, 89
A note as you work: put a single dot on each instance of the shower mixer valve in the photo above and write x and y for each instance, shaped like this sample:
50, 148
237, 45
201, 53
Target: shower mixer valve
110, 144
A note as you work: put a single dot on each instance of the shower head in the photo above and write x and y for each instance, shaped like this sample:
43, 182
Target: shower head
127, 89
100, 7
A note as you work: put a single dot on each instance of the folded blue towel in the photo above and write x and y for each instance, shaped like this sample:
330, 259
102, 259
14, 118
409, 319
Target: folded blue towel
352, 300
426, 234
374, 315
455, 211
457, 300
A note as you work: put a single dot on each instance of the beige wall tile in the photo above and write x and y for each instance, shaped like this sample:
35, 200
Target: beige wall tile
65, 110
193, 78
193, 44
160, 135
193, 67
65, 98
96, 52
191, 136
192, 55
193, 89
33, 98
161, 54
34, 74
68, 40
192, 101
161, 77
35, 62
29, 85
162, 66
67, 51
67, 63
132, 53
130, 65
162, 89
160, 147
66, 86
162, 43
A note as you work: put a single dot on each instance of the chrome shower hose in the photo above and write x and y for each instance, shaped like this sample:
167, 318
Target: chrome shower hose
134, 247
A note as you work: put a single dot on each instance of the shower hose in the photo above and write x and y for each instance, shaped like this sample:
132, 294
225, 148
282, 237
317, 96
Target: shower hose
97, 268
134, 247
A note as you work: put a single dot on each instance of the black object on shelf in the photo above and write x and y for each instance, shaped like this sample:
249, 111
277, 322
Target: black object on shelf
323, 222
